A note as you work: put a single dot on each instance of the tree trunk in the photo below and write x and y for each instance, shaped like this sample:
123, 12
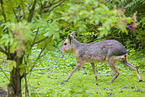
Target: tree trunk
14, 87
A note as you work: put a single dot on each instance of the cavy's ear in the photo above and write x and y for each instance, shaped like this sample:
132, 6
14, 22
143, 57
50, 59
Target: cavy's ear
70, 38
73, 33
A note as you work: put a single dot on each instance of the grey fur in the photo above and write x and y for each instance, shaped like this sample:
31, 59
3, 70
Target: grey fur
106, 50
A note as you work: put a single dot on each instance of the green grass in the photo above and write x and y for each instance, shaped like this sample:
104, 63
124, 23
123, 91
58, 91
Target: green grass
46, 80
81, 84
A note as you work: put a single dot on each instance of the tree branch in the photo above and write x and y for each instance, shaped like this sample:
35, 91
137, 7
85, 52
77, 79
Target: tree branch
3, 51
19, 14
39, 56
1, 1
52, 4
56, 6
55, 2
15, 15
31, 48
40, 40
26, 85
36, 59
32, 43
32, 11
34, 38
29, 5
23, 8
9, 49
42, 7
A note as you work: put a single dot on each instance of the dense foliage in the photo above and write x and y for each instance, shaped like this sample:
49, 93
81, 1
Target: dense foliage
26, 26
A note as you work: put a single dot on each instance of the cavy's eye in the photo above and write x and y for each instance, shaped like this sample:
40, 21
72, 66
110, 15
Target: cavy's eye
65, 43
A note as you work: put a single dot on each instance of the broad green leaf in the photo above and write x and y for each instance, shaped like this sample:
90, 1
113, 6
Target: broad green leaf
11, 64
10, 68
22, 66
21, 71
